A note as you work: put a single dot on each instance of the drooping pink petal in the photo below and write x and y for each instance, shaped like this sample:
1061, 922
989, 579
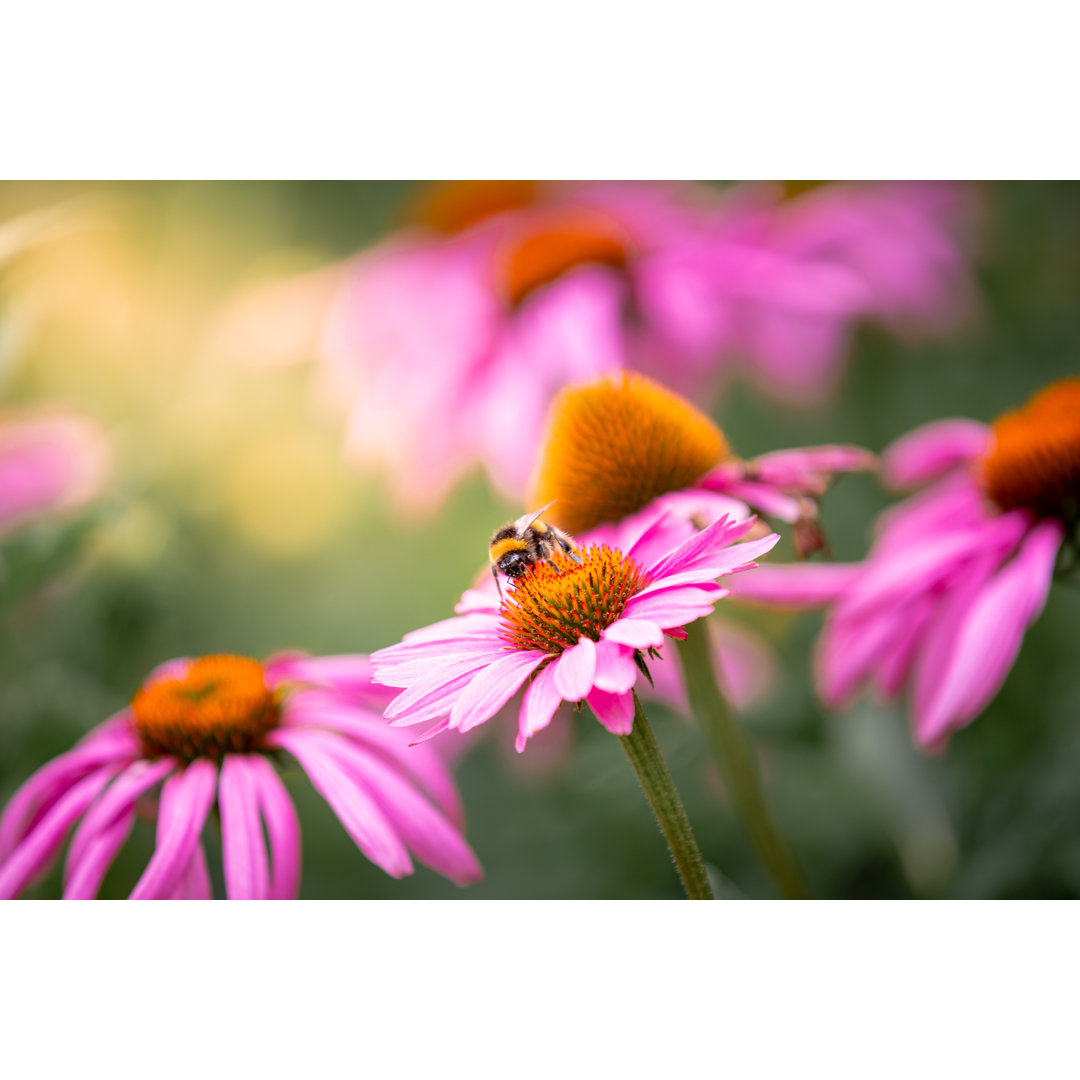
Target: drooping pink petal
493, 687
992, 632
194, 882
186, 799
541, 700
351, 673
614, 711
84, 876
806, 467
574, 670
746, 664
38, 847
429, 835
931, 450
761, 497
423, 765
888, 579
51, 781
118, 801
243, 850
282, 826
797, 585
354, 807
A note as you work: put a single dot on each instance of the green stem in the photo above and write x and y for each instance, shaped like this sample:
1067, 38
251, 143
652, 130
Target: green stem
652, 773
735, 757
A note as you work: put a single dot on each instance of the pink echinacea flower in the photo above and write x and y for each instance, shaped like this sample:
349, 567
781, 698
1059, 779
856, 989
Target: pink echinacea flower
49, 462
957, 573
574, 631
208, 731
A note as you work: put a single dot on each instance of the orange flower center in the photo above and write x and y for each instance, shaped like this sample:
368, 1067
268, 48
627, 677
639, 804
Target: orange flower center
220, 704
560, 601
615, 444
1034, 460
455, 205
556, 244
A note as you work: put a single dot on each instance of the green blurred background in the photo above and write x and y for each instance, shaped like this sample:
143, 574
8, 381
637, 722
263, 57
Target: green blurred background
231, 524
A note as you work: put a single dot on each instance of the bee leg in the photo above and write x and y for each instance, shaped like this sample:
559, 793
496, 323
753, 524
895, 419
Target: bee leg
498, 583
569, 549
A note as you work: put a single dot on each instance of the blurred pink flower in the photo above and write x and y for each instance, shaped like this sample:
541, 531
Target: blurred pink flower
209, 729
49, 462
957, 573
783, 282
575, 631
446, 343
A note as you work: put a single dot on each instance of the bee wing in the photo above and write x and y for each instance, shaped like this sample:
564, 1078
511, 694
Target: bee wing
526, 520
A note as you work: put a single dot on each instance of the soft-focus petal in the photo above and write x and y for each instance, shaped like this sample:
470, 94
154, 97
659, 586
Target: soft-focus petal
931, 450
616, 671
247, 876
186, 799
282, 826
354, 807
992, 633
798, 585
84, 877
42, 842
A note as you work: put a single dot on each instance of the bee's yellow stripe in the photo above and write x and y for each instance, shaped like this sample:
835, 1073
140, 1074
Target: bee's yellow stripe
539, 526
501, 547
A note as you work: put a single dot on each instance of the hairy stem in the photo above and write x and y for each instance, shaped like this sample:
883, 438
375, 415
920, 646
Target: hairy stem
652, 773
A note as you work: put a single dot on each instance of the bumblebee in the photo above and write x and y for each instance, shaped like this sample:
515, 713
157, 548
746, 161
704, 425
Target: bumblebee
522, 543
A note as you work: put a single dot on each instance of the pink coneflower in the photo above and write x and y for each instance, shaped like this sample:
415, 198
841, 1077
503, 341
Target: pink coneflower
957, 573
208, 731
451, 339
785, 281
49, 462
576, 631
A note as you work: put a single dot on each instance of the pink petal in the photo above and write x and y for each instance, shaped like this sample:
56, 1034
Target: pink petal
614, 711
432, 838
637, 633
42, 842
803, 468
194, 883
764, 498
991, 635
282, 826
541, 700
798, 585
746, 663
43, 788
438, 684
117, 802
676, 607
493, 687
351, 673
574, 670
931, 450
186, 799
425, 766
354, 807
616, 671
84, 877
243, 850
